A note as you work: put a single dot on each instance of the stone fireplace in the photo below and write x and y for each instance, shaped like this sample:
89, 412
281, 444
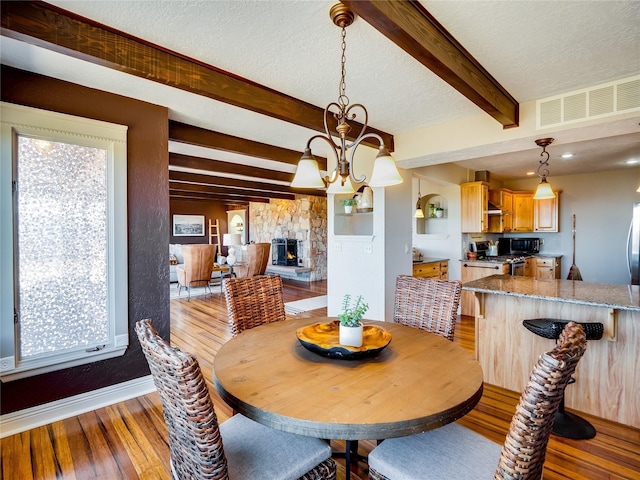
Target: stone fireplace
304, 220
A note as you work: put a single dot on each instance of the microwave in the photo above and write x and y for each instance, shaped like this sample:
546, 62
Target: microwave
518, 246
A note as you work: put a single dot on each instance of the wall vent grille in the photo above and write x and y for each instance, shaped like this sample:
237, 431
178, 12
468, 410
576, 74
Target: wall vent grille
604, 100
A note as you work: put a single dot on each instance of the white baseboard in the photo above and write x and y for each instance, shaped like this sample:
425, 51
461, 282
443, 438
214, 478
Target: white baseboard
33, 417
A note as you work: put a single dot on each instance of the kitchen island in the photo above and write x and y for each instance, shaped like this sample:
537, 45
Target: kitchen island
607, 377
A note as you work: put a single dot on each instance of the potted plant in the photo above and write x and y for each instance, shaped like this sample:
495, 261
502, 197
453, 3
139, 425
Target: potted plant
348, 204
350, 321
439, 212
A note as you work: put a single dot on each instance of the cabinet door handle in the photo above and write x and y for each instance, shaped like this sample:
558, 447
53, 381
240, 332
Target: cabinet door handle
479, 266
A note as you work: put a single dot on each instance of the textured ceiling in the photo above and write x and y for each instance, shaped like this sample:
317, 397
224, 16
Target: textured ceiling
534, 49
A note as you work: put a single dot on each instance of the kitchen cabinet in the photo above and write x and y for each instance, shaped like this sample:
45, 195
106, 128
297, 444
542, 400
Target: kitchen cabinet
436, 269
547, 267
522, 212
529, 267
545, 214
473, 270
503, 199
474, 197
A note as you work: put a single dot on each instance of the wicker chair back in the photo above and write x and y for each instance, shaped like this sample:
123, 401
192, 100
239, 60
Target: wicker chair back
525, 447
427, 303
194, 437
253, 301
524, 450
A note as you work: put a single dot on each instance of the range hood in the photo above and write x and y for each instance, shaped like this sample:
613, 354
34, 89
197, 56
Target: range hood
492, 209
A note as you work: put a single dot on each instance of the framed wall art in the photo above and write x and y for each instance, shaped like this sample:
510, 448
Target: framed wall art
188, 225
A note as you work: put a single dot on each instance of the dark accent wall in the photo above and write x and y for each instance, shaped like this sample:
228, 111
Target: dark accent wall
148, 230
210, 209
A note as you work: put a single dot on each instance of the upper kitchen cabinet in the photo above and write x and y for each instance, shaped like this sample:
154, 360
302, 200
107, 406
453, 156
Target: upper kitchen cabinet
522, 212
545, 214
502, 222
516, 211
474, 198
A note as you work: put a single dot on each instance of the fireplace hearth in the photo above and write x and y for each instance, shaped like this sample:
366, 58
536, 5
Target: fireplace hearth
284, 251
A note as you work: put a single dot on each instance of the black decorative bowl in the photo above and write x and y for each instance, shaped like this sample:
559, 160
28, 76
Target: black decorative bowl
323, 339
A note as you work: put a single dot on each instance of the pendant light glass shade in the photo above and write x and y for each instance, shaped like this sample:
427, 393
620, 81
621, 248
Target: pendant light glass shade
385, 172
544, 191
307, 174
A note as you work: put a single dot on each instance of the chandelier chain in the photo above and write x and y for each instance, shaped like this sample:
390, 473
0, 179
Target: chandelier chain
343, 100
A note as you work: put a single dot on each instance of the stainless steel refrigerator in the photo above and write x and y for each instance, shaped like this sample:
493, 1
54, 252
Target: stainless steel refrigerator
633, 246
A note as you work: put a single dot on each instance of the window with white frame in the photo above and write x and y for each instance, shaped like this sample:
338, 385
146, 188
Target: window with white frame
63, 241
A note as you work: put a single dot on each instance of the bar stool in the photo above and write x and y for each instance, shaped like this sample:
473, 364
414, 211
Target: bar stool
566, 424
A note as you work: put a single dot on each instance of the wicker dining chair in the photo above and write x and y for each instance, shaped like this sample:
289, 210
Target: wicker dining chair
453, 451
239, 448
427, 303
253, 301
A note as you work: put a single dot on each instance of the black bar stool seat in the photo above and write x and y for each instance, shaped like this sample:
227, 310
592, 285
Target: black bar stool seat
552, 328
566, 424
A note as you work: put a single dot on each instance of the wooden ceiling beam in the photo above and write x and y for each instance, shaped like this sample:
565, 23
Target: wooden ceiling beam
180, 132
186, 177
206, 164
59, 30
217, 198
229, 192
410, 26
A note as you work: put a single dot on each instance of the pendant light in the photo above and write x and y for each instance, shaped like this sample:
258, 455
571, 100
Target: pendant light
419, 213
385, 172
544, 190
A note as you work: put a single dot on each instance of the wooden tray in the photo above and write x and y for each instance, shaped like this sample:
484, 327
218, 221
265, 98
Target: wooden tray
323, 339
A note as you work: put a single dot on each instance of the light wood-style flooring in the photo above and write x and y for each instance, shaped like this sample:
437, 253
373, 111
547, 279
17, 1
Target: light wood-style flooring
128, 440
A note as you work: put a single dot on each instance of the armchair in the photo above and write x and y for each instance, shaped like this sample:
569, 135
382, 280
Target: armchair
256, 264
197, 268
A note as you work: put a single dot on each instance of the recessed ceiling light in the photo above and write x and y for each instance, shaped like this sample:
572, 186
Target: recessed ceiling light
531, 173
567, 155
633, 161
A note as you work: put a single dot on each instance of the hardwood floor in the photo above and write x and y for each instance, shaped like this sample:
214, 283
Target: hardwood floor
128, 440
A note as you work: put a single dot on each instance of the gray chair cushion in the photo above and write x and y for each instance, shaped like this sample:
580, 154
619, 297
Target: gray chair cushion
449, 452
255, 451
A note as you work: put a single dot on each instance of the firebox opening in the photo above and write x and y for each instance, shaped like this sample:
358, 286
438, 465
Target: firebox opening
284, 251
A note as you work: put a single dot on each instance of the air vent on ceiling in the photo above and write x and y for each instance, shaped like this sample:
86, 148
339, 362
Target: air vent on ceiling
604, 100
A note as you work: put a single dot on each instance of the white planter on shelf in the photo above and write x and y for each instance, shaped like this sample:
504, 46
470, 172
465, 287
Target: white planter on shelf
351, 336
348, 208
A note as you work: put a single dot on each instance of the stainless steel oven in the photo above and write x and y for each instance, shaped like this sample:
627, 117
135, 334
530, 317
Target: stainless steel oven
517, 268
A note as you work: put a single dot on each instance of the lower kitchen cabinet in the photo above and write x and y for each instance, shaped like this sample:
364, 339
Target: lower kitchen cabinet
547, 267
432, 269
473, 271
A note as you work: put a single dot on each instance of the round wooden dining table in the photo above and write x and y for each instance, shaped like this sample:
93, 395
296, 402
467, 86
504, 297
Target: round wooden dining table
419, 382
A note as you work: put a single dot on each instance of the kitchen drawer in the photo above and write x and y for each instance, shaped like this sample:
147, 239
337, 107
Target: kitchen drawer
545, 262
427, 270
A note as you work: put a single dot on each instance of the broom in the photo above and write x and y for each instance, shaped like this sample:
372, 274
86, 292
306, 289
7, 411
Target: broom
574, 272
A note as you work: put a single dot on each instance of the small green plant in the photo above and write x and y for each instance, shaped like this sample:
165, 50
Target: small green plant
349, 202
350, 317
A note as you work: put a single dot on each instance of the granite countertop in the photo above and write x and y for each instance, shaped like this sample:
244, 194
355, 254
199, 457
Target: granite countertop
609, 295
431, 260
